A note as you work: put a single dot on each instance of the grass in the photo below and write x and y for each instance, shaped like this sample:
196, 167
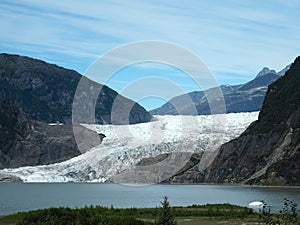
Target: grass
191, 215
12, 219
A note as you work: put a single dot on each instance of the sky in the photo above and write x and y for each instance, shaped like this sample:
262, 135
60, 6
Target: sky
234, 39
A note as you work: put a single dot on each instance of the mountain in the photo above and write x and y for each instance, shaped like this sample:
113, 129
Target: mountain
45, 92
24, 142
246, 97
265, 71
128, 152
268, 152
284, 70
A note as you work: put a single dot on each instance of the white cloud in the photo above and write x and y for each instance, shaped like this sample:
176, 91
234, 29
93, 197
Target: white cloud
233, 36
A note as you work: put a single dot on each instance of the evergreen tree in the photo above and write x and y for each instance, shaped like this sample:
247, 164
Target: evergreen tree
165, 215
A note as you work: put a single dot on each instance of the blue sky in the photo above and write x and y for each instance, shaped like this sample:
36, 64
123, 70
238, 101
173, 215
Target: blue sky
235, 39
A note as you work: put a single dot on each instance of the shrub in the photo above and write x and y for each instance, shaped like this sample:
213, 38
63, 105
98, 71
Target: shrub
287, 215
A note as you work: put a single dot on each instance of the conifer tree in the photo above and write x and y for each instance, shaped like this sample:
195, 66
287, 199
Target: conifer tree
165, 215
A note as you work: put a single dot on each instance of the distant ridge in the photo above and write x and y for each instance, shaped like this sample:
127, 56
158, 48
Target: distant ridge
246, 97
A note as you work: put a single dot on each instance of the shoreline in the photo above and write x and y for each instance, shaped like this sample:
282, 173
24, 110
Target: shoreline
171, 184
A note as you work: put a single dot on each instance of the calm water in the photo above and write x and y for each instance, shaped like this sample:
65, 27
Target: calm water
16, 197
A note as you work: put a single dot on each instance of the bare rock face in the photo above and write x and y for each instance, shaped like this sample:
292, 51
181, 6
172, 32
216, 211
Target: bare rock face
268, 152
268, 159
152, 160
5, 178
189, 173
24, 142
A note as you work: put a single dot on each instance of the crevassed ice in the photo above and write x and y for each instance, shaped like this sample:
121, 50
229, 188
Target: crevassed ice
125, 145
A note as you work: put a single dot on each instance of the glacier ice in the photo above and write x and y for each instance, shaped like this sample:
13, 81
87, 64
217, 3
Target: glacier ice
125, 145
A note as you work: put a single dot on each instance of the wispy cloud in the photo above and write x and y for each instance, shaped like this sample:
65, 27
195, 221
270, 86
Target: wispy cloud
230, 36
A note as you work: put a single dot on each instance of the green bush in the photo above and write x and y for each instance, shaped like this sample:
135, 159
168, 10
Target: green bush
85, 216
287, 215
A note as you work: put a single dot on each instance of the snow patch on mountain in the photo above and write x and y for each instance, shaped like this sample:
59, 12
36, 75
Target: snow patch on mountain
125, 145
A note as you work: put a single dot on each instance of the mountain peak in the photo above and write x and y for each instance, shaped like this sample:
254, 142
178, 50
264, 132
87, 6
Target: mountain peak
265, 71
282, 72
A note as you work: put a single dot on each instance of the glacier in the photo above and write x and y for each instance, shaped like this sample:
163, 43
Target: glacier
126, 145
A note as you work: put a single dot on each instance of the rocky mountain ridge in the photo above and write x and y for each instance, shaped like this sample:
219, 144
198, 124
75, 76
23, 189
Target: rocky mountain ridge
21, 144
268, 152
246, 97
26, 142
45, 92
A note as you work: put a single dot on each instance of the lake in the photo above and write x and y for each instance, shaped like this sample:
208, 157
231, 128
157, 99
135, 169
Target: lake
16, 197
